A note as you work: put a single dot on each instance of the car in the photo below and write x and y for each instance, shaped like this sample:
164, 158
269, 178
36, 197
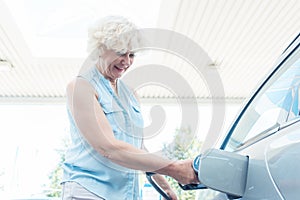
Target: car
259, 158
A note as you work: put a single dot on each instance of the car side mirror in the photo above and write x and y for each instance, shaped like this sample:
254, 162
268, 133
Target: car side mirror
224, 171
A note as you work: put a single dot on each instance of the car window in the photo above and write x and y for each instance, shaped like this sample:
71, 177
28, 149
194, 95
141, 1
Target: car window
275, 104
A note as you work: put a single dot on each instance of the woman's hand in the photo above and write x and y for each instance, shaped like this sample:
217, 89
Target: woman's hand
183, 172
171, 194
162, 182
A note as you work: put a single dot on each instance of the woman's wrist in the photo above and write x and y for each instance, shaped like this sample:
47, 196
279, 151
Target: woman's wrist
168, 170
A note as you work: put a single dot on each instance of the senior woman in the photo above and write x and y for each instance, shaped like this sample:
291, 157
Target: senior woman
106, 150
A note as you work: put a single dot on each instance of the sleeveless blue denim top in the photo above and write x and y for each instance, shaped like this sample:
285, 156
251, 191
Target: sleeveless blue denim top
90, 169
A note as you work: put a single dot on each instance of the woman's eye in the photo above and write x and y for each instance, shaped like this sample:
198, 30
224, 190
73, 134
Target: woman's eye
131, 55
120, 54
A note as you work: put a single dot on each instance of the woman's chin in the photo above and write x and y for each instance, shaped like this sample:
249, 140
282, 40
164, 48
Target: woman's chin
118, 73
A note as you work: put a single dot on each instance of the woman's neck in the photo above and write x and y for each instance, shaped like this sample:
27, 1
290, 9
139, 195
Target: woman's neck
114, 86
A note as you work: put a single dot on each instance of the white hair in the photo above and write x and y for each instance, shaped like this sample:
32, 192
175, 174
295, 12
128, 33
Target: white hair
114, 33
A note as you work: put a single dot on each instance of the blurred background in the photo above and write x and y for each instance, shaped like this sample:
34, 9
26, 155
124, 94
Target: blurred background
42, 47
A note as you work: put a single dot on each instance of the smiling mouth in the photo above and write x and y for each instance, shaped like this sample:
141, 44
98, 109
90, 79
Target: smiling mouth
119, 68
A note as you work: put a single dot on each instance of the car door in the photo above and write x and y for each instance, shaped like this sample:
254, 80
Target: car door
267, 131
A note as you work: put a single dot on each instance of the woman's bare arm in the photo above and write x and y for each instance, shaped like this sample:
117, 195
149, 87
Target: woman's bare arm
94, 126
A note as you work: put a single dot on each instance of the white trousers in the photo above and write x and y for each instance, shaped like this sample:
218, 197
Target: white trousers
74, 191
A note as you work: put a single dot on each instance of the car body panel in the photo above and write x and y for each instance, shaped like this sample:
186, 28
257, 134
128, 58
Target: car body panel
273, 146
283, 160
273, 168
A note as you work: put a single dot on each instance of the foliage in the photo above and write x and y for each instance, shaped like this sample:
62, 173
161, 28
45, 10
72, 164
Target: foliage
56, 175
185, 146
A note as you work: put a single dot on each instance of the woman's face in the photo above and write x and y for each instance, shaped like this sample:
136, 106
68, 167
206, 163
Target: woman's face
114, 64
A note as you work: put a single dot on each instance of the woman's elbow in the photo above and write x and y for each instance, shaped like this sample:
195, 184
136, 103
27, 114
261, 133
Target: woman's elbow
109, 149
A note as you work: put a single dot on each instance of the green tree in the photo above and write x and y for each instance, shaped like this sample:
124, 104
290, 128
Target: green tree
185, 146
56, 175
